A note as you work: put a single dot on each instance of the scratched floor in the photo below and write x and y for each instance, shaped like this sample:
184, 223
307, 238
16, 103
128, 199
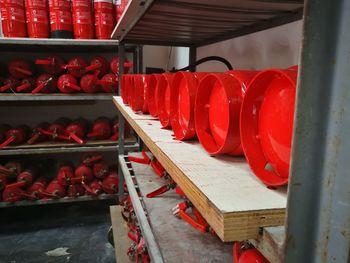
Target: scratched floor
78, 232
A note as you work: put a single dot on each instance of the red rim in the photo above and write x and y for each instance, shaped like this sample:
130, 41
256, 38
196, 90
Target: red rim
151, 96
184, 89
163, 98
266, 124
217, 109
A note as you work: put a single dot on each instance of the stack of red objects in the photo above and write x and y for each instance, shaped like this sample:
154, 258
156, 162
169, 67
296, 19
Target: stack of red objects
81, 19
62, 129
53, 75
239, 112
91, 177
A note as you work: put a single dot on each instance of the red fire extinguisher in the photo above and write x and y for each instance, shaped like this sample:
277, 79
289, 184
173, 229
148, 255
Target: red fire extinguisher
101, 129
76, 131
37, 189
27, 85
110, 183
45, 83
13, 18
61, 19
56, 130
76, 66
109, 83
89, 83
15, 136
99, 65
65, 174
67, 84
37, 135
91, 158
55, 190
115, 65
83, 174
37, 18
12, 169
19, 68
52, 64
9, 84
104, 18
83, 22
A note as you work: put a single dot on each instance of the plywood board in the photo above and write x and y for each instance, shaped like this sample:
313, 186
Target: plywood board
224, 190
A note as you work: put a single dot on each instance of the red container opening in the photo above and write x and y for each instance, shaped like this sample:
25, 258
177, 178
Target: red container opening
267, 124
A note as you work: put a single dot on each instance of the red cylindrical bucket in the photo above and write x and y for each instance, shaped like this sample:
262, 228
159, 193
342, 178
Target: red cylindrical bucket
61, 19
37, 17
217, 111
104, 18
184, 90
266, 124
145, 80
163, 98
120, 6
83, 19
137, 97
13, 18
151, 94
130, 88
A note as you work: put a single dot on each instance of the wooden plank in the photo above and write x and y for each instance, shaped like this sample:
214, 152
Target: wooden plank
120, 234
178, 241
223, 189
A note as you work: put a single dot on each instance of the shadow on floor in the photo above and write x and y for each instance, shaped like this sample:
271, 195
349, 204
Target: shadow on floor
78, 232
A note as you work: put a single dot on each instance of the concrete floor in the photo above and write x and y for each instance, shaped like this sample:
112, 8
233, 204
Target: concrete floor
60, 233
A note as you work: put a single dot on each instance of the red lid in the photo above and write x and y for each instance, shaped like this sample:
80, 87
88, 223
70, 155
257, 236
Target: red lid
184, 90
267, 124
163, 98
217, 110
151, 95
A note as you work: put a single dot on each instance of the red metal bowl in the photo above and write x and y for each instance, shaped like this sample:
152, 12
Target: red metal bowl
267, 124
184, 89
151, 94
217, 110
163, 98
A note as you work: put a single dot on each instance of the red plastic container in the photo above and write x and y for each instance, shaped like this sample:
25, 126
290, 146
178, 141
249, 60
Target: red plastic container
27, 85
163, 98
120, 7
37, 18
83, 19
137, 97
217, 111
13, 18
151, 94
267, 123
61, 23
184, 89
104, 18
52, 64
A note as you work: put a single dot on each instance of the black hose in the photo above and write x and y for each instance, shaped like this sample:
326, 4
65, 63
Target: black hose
203, 60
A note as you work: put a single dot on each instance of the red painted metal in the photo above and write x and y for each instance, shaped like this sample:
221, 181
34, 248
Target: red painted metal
217, 111
15, 136
163, 98
99, 66
101, 129
91, 158
267, 124
109, 83
104, 18
89, 83
247, 255
151, 95
83, 19
114, 65
110, 183
76, 66
13, 18
52, 64
100, 170
55, 190
184, 90
19, 68
45, 83
37, 189
12, 169
56, 130
83, 174
67, 84
95, 188
76, 131
27, 85
37, 18
12, 194
37, 135
61, 23
65, 174
75, 190
9, 84
27, 176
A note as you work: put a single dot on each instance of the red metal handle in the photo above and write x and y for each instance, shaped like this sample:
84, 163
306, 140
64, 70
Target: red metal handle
192, 222
114, 137
7, 142
23, 71
161, 190
76, 138
103, 82
93, 159
33, 138
72, 86
128, 64
93, 67
5, 87
158, 168
40, 87
23, 87
44, 62
70, 66
144, 160
93, 134
15, 185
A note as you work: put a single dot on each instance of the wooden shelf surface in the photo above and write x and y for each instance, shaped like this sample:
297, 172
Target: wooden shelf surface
233, 201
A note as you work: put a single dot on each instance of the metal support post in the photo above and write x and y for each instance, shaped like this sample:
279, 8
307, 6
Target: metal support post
192, 57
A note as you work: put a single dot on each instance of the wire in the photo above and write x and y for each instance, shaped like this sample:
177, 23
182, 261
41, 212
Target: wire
203, 60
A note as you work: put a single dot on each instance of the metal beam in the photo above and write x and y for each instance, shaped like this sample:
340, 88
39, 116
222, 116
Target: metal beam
192, 57
318, 223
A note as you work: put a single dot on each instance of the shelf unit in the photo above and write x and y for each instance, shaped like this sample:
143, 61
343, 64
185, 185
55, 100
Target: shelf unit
318, 196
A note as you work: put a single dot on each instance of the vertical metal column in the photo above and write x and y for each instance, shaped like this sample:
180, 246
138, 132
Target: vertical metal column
192, 57
121, 120
140, 58
318, 223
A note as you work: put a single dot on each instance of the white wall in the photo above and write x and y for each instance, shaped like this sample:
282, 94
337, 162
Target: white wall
276, 47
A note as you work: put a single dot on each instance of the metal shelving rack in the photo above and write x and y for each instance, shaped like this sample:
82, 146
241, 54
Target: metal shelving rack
318, 221
69, 46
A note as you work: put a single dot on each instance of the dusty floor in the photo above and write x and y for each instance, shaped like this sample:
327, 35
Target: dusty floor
59, 233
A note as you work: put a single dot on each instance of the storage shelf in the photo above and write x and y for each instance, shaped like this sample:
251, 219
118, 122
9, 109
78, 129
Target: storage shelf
53, 97
49, 44
83, 198
197, 23
63, 147
233, 201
